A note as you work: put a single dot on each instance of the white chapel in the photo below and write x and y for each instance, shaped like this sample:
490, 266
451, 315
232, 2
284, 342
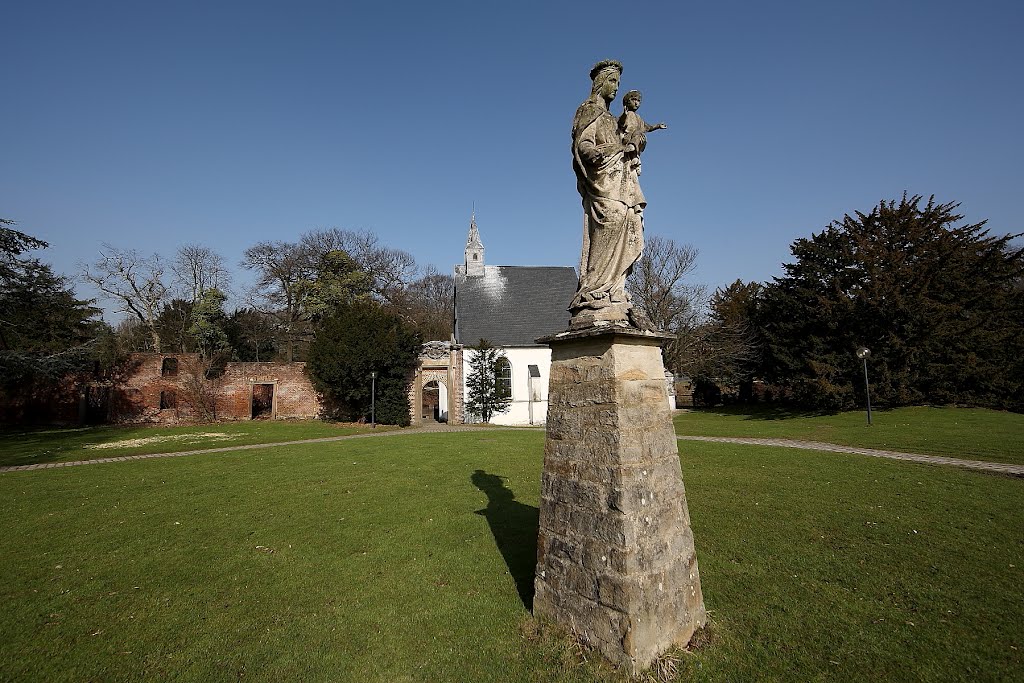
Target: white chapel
510, 307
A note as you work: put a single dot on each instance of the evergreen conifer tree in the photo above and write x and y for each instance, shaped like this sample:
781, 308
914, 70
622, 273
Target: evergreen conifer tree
485, 395
357, 338
45, 329
937, 301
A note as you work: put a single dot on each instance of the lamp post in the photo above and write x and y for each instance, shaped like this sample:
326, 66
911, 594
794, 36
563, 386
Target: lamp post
864, 353
373, 400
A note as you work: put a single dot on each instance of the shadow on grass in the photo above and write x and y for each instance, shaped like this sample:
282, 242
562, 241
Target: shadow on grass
514, 526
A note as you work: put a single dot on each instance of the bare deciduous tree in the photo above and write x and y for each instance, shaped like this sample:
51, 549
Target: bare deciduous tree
253, 332
283, 272
198, 269
658, 284
717, 350
391, 269
429, 303
135, 283
287, 273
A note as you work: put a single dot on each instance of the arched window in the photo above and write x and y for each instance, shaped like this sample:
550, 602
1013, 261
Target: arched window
503, 377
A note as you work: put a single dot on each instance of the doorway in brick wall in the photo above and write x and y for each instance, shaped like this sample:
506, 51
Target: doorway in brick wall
97, 404
262, 401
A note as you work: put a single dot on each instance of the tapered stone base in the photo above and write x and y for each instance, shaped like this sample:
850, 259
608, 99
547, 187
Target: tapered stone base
616, 563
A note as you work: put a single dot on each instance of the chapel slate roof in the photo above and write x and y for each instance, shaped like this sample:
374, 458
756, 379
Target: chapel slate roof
513, 305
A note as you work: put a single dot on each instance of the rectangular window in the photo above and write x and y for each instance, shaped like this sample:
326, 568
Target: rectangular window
169, 367
168, 399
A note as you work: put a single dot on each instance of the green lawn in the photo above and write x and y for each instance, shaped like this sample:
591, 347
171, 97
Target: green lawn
26, 447
970, 433
381, 560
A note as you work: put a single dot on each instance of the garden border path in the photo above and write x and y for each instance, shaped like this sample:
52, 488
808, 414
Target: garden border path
978, 465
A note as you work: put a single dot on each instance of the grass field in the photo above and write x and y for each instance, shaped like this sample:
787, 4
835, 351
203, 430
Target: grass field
970, 433
398, 559
26, 447
977, 434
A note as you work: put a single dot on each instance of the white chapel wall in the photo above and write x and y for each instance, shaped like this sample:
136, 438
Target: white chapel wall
519, 412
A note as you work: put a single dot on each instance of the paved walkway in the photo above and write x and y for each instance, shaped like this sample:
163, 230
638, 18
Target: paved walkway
979, 465
438, 427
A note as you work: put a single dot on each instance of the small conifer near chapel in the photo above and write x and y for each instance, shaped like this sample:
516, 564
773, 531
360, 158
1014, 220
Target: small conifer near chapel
486, 393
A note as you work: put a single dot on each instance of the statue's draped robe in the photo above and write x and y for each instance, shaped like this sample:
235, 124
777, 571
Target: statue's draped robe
613, 207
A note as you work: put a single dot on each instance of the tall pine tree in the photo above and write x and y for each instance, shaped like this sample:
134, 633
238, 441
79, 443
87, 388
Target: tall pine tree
44, 328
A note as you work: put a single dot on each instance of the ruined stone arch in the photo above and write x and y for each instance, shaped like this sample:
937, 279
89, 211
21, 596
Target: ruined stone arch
430, 381
437, 375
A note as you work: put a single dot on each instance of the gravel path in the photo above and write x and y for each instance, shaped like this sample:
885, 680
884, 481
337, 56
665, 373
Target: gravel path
979, 465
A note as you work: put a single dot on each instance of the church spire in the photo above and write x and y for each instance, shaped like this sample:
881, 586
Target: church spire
474, 249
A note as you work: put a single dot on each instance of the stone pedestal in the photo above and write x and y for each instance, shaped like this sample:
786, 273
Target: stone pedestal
616, 563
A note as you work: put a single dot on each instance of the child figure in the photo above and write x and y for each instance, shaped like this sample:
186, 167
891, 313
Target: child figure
633, 128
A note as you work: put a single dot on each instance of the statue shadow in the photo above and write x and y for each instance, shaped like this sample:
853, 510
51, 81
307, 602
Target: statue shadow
514, 526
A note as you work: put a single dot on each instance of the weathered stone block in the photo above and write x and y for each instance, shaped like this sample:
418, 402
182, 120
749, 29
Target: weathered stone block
568, 490
615, 561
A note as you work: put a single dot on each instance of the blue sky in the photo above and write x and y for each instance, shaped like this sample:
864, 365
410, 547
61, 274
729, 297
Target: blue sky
149, 125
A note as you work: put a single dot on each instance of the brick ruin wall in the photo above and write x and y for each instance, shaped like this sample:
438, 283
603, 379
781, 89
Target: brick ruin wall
294, 395
58, 404
146, 392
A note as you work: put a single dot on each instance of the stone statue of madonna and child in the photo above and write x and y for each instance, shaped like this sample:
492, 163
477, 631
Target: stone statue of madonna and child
606, 158
616, 561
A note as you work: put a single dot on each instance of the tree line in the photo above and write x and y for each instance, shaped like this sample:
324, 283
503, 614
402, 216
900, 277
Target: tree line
303, 290
939, 302
296, 285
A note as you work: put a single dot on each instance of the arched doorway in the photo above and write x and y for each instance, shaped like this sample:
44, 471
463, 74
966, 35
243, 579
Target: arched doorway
431, 402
